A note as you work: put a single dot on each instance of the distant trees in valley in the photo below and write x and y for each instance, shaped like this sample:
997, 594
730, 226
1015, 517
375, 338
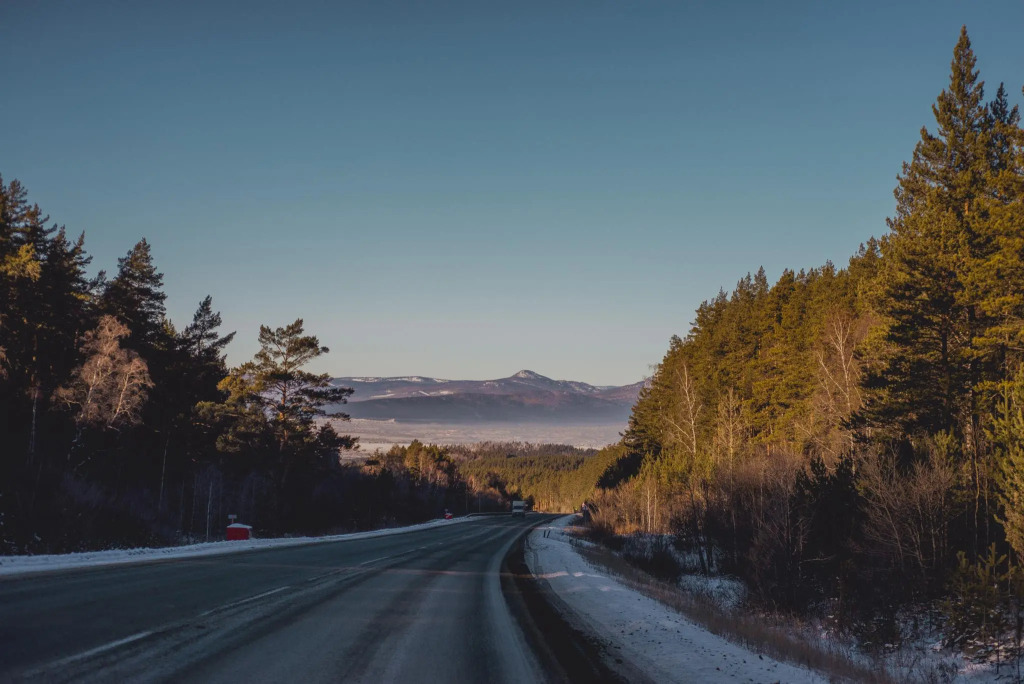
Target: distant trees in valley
555, 478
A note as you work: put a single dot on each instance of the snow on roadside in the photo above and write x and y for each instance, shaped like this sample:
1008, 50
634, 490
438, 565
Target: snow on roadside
17, 565
649, 634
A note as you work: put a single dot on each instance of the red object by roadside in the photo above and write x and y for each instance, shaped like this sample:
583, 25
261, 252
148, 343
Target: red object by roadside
447, 516
238, 531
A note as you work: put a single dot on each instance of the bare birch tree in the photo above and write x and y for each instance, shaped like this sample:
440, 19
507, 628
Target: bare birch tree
109, 389
839, 384
729, 426
684, 423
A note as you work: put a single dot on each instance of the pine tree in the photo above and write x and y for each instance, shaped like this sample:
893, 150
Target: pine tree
292, 398
1006, 434
923, 378
999, 279
1004, 148
61, 313
135, 296
22, 240
948, 168
201, 339
43, 307
200, 348
930, 311
191, 365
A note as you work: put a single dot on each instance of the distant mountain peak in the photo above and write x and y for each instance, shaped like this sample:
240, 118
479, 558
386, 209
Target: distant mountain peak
529, 375
525, 397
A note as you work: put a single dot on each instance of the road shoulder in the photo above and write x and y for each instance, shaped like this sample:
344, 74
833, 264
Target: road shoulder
567, 652
646, 634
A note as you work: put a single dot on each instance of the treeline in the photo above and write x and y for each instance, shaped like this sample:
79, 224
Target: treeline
854, 437
422, 477
502, 449
552, 477
117, 427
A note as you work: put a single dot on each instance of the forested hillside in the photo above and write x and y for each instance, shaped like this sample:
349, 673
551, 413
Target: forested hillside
552, 477
117, 427
854, 437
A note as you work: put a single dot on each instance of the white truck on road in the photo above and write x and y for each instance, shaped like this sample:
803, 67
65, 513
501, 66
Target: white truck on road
518, 508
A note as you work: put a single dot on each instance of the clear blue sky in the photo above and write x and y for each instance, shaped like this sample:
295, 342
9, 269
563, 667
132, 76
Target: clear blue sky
464, 189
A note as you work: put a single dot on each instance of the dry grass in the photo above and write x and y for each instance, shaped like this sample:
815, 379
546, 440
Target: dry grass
782, 642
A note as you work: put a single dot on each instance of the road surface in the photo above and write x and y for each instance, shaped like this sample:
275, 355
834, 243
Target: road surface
423, 606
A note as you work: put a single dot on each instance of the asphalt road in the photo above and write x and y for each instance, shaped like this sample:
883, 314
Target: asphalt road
422, 606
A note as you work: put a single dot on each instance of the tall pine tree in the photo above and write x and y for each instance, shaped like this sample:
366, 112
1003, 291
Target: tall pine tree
135, 296
929, 367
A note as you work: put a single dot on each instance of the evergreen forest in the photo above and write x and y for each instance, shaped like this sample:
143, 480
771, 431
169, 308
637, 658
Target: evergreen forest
850, 439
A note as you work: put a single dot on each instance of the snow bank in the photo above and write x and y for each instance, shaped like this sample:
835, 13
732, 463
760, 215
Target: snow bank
726, 592
16, 565
648, 634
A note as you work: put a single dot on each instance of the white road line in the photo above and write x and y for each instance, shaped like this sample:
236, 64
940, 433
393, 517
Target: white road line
245, 600
395, 555
95, 651
317, 578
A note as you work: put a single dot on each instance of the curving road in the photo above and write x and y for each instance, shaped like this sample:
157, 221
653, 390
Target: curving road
427, 605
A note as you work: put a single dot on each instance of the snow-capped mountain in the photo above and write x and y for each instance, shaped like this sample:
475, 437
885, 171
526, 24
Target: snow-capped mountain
525, 396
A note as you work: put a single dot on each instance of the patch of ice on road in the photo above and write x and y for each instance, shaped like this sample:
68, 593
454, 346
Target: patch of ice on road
649, 634
16, 565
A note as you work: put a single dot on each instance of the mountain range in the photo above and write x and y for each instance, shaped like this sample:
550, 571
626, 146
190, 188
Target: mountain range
525, 397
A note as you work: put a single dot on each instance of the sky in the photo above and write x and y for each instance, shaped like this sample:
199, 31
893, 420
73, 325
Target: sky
467, 189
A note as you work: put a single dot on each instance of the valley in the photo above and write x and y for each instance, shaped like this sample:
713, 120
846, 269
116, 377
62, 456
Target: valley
382, 434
